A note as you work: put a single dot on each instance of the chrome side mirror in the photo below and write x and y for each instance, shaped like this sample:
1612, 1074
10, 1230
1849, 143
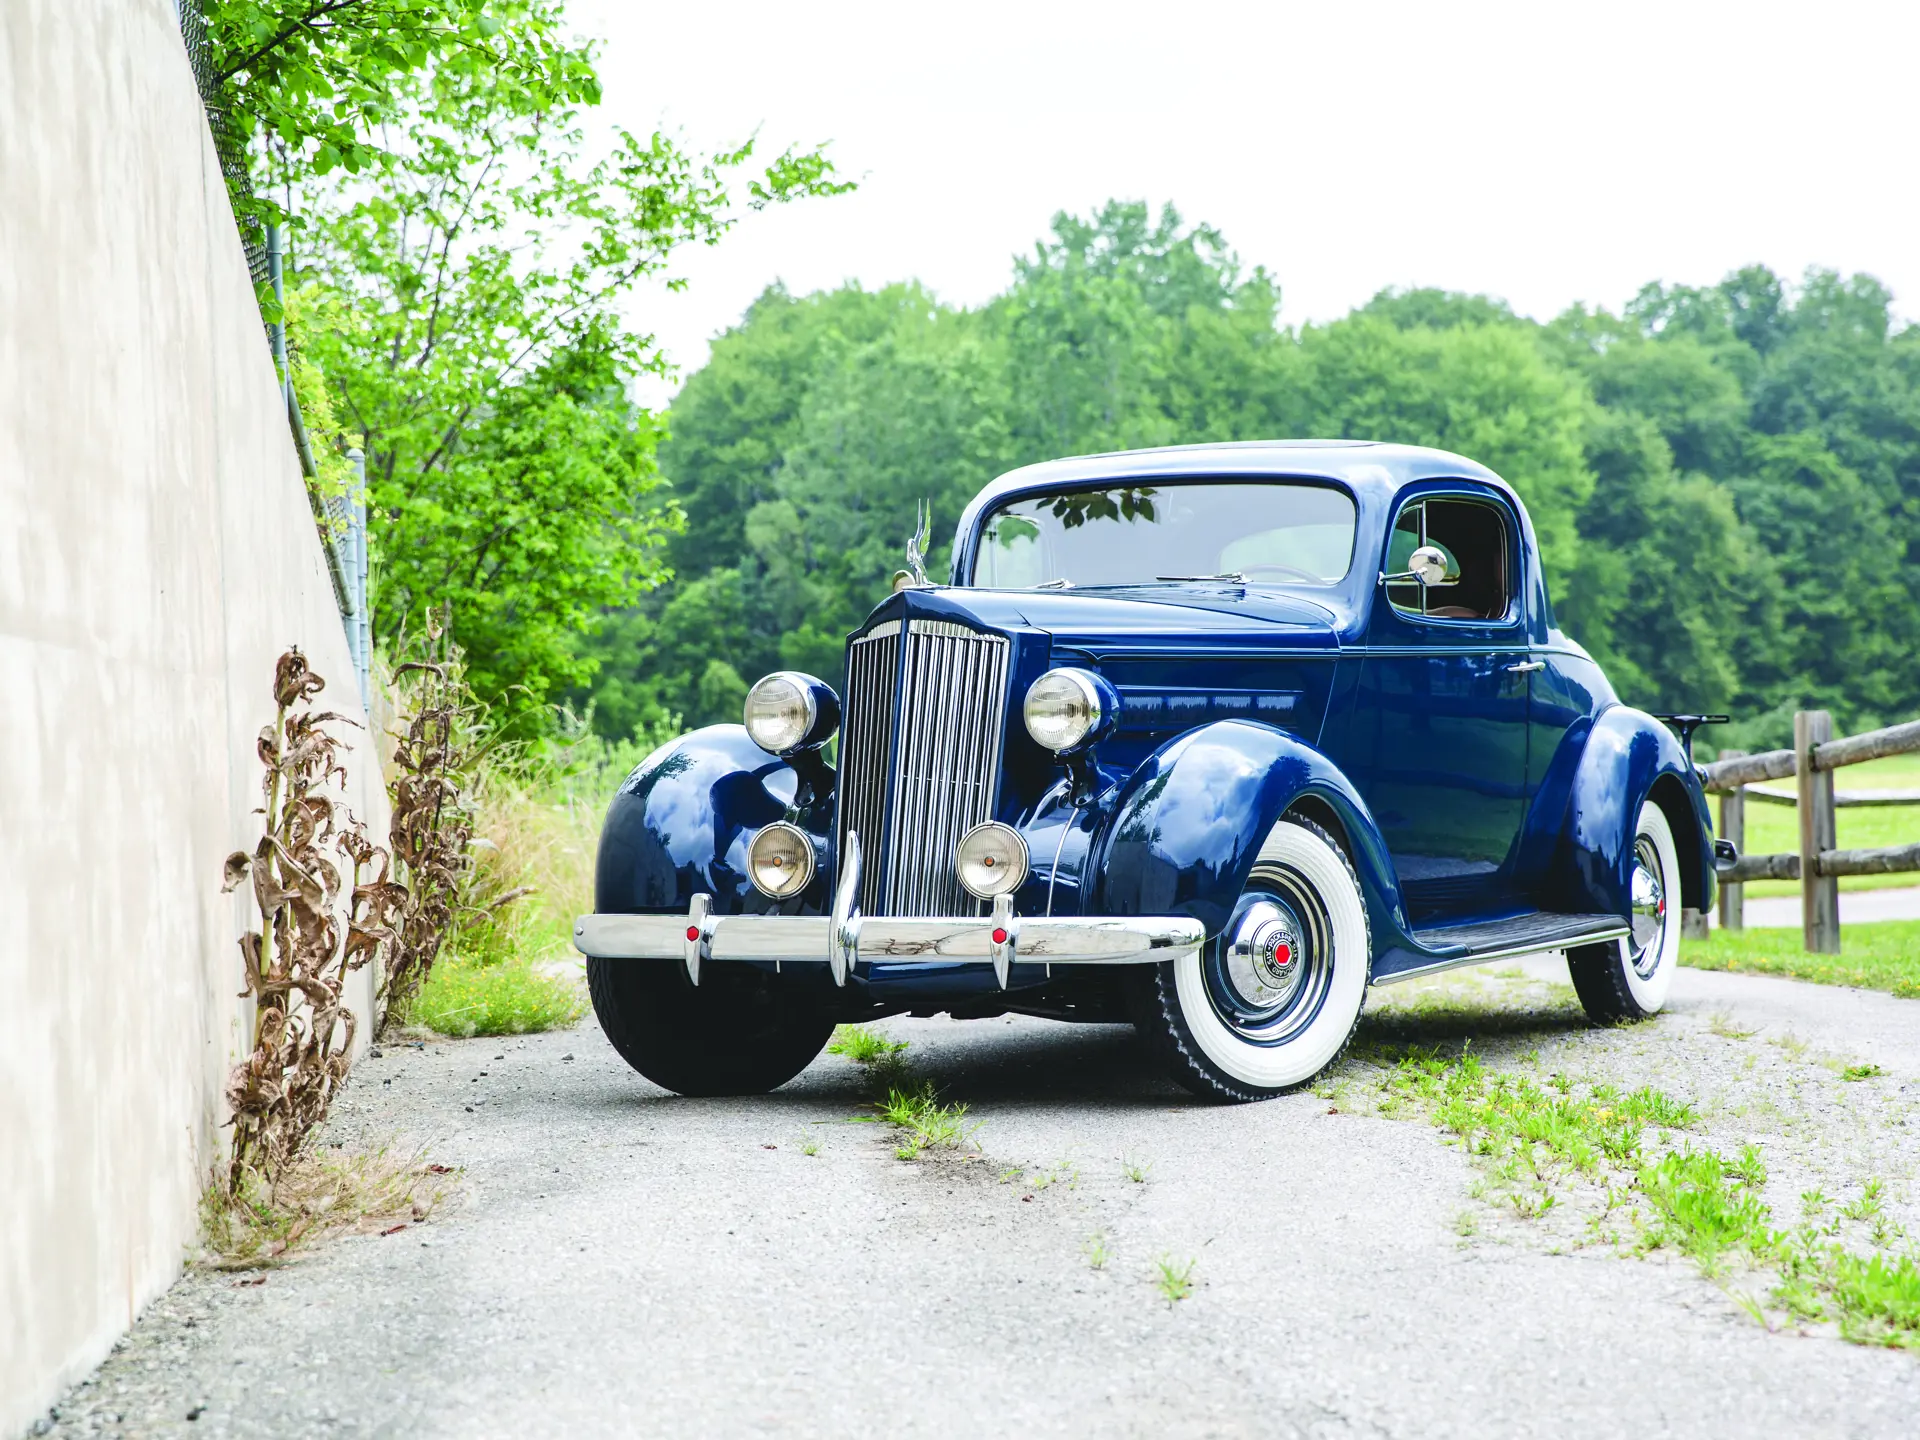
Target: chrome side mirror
1428, 565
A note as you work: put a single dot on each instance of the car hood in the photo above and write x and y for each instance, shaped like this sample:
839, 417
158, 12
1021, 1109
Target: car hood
1140, 617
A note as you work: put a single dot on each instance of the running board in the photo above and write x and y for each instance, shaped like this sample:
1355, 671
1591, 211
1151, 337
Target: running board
1455, 945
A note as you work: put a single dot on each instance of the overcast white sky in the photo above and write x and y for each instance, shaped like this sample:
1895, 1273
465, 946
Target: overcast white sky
1545, 152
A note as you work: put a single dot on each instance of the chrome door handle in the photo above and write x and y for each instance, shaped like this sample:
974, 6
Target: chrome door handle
1526, 666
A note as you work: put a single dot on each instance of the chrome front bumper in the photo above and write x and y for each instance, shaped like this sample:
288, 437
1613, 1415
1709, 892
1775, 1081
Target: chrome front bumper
845, 938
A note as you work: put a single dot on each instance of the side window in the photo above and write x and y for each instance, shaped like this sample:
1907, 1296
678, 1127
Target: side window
1473, 538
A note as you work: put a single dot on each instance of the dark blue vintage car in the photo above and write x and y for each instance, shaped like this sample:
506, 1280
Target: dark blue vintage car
1207, 739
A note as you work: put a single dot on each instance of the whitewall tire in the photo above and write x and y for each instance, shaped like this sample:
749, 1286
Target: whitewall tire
1629, 979
1273, 1001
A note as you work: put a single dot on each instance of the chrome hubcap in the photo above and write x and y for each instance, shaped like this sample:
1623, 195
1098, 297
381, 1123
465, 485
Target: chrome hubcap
1263, 958
1649, 908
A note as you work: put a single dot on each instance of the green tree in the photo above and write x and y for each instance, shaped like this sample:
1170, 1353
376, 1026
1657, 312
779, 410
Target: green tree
1485, 391
480, 350
316, 85
1725, 479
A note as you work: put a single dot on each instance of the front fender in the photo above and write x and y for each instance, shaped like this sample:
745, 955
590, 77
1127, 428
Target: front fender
680, 824
1189, 822
1629, 758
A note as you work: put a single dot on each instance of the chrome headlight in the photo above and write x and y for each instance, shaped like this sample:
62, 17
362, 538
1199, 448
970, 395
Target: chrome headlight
788, 711
780, 860
1066, 708
991, 860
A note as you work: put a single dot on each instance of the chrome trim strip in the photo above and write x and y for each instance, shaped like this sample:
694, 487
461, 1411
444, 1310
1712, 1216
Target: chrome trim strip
1089, 940
1509, 952
867, 747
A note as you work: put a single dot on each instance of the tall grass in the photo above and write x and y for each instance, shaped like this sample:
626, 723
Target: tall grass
510, 966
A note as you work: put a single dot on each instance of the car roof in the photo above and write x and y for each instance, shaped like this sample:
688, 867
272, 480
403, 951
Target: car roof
1365, 465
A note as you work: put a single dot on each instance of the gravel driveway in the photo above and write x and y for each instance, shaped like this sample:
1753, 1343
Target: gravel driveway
620, 1262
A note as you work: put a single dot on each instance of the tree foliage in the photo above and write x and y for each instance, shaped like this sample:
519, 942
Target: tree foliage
463, 261
319, 83
1725, 479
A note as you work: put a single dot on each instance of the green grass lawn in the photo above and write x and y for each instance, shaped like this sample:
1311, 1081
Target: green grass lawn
1775, 829
1882, 956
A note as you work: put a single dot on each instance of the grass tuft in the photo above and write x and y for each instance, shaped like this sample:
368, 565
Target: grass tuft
884, 1061
924, 1121
323, 1192
464, 998
1707, 1207
1173, 1279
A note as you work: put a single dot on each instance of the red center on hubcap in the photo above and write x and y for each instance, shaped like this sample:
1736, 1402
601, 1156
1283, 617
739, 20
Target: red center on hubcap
1282, 954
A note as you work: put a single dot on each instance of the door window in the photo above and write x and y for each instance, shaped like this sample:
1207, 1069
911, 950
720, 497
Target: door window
1472, 536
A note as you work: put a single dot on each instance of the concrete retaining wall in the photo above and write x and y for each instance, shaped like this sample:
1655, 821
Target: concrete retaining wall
156, 554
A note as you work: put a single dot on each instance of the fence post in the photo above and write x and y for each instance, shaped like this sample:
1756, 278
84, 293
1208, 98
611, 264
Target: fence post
1733, 826
1819, 894
362, 646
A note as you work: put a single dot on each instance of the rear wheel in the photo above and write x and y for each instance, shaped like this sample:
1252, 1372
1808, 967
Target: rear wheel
741, 1031
1629, 979
1274, 1000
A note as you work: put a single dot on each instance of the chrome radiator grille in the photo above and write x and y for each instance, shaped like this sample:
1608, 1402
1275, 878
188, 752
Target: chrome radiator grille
925, 773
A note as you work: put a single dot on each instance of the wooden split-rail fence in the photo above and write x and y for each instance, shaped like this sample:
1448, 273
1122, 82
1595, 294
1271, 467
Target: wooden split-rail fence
1820, 862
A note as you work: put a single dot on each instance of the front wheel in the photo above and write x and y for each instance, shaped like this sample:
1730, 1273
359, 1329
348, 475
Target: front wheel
1628, 979
1274, 1000
741, 1031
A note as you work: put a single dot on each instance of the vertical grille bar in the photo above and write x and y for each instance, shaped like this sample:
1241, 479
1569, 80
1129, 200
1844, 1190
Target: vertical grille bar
927, 777
866, 749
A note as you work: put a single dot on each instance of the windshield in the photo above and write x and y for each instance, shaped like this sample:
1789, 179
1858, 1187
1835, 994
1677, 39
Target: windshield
1265, 532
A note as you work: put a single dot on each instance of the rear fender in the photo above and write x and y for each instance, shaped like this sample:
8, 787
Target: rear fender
1186, 826
680, 823
1629, 758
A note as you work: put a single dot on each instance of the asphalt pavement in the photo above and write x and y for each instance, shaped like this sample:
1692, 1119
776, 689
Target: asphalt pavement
1857, 907
621, 1262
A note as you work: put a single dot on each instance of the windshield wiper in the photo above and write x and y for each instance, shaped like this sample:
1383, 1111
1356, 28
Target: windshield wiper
1232, 575
1061, 584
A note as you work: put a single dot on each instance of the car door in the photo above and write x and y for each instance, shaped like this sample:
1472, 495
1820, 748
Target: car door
1445, 682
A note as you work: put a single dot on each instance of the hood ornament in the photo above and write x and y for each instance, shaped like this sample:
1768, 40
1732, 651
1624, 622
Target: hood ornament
914, 577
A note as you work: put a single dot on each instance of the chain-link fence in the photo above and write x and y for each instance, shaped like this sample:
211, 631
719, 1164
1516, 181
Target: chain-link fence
233, 154
342, 519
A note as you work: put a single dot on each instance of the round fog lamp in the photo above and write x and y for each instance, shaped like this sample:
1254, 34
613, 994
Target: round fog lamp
991, 860
780, 860
1062, 708
779, 712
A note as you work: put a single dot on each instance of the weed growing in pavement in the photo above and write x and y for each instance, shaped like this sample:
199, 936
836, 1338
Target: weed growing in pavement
924, 1121
1868, 1205
809, 1143
884, 1061
1791, 1043
1096, 1250
862, 1044
1135, 1170
1062, 1171
1174, 1280
321, 1192
1861, 1072
1724, 1025
1529, 1138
